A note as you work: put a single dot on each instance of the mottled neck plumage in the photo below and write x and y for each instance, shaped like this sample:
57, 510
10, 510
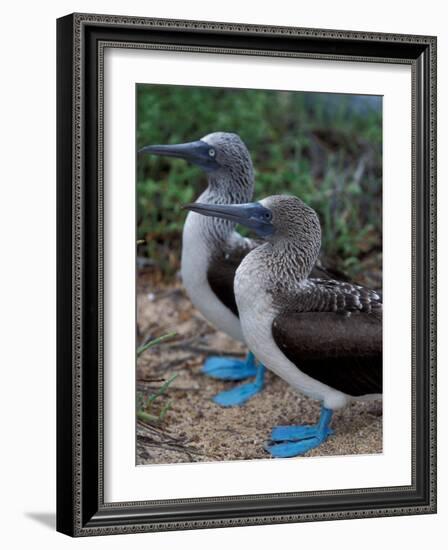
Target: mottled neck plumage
293, 260
293, 246
230, 186
285, 265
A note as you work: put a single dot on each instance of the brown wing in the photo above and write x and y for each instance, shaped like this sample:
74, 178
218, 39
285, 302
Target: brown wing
322, 271
344, 353
221, 274
223, 266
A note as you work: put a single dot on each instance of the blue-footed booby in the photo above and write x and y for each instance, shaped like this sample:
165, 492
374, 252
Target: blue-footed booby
322, 336
212, 250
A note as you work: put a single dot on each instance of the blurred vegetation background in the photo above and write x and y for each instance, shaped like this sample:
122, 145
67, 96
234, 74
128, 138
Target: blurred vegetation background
324, 148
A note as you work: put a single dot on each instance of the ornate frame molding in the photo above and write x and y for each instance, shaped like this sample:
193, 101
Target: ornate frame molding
81, 42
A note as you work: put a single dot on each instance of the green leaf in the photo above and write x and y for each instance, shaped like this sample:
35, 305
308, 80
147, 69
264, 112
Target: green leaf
154, 342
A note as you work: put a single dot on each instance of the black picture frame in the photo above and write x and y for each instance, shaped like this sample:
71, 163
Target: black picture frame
81, 39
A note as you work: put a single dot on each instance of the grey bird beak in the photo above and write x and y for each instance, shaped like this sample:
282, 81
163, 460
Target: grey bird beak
185, 151
252, 215
196, 152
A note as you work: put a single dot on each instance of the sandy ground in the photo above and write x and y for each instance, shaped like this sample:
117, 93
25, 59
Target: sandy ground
195, 429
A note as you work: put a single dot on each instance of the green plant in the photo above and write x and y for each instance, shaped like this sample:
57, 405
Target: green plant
154, 342
146, 405
147, 410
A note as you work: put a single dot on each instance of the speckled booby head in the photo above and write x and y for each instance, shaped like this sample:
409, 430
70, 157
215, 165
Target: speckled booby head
279, 218
228, 151
222, 155
291, 219
286, 222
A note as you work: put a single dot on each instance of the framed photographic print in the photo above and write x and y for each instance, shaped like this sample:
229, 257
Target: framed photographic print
246, 274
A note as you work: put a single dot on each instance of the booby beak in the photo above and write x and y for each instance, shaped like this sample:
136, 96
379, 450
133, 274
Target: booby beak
197, 152
252, 215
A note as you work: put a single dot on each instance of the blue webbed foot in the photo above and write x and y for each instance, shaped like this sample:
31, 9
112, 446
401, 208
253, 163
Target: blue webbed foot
229, 368
296, 433
293, 448
289, 441
240, 394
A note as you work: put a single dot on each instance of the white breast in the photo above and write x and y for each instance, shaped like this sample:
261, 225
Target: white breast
257, 314
194, 267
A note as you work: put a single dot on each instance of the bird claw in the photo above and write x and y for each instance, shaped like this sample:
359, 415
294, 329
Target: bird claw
241, 394
293, 448
288, 441
296, 433
234, 369
227, 368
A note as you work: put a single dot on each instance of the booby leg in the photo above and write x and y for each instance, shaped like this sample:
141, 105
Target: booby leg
229, 368
240, 394
287, 441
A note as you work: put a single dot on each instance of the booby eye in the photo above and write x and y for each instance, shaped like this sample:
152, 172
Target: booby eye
267, 216
211, 152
